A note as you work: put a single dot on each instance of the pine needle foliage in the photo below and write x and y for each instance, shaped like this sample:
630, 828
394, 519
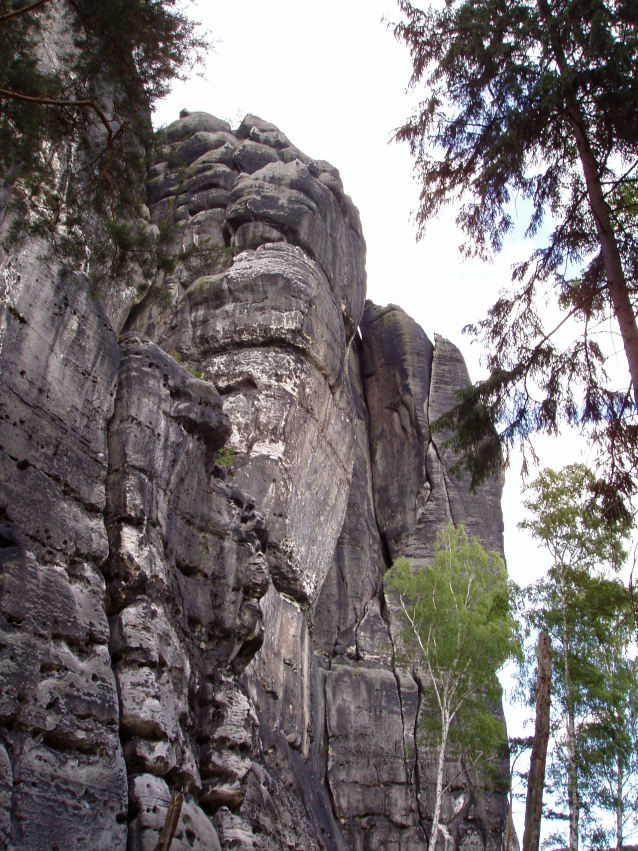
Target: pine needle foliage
78, 81
536, 101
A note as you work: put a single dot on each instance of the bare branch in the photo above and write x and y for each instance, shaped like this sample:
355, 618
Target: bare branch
45, 100
23, 11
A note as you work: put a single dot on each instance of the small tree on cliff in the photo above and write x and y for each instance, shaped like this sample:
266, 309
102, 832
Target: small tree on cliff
458, 632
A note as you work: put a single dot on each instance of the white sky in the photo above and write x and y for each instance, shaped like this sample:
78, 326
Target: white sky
332, 77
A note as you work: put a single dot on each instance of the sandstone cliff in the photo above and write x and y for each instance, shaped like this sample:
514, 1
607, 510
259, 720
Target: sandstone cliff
168, 623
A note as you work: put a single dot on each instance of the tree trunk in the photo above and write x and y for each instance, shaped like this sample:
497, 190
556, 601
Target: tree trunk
616, 281
536, 782
445, 729
619, 806
572, 767
508, 832
170, 825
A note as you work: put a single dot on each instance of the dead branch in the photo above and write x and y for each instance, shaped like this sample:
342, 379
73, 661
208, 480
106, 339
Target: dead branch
23, 11
170, 825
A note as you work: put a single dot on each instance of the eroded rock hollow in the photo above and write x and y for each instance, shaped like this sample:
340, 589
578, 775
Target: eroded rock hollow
169, 623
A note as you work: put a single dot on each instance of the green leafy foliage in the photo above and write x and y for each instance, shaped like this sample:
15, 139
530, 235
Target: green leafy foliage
568, 520
459, 630
587, 612
534, 102
608, 738
225, 456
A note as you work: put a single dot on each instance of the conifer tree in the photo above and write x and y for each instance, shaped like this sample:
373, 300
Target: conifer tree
537, 100
78, 82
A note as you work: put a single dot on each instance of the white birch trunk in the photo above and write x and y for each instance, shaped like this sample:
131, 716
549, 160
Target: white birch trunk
445, 729
619, 806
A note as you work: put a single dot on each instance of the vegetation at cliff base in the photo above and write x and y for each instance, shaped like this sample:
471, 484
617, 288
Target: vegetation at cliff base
537, 101
586, 610
459, 630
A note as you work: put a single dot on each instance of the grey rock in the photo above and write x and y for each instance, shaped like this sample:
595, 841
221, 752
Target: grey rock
253, 234
273, 138
286, 196
408, 383
481, 511
56, 344
185, 576
201, 142
207, 176
150, 797
163, 186
250, 156
290, 438
171, 623
273, 296
252, 122
358, 564
283, 677
6, 793
205, 227
224, 155
397, 358
58, 704
290, 154
369, 774
195, 122
66, 798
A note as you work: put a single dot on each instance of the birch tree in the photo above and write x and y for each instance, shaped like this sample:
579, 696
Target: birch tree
458, 632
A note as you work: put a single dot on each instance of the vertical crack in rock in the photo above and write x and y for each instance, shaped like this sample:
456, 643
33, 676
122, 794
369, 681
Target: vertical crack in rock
444, 481
184, 580
419, 790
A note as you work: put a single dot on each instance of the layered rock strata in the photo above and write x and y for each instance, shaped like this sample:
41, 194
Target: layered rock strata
172, 624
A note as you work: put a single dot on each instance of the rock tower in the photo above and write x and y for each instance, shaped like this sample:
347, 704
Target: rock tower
171, 623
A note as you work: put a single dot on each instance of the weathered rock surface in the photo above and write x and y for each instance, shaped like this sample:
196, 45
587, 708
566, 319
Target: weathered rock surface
171, 623
64, 778
408, 384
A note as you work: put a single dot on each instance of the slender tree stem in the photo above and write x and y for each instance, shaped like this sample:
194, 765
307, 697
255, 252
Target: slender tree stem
536, 780
572, 768
445, 728
619, 806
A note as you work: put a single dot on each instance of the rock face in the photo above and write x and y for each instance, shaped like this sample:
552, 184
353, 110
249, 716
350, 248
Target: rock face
169, 623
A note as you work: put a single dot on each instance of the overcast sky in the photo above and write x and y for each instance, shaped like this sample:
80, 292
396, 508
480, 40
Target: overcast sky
332, 77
